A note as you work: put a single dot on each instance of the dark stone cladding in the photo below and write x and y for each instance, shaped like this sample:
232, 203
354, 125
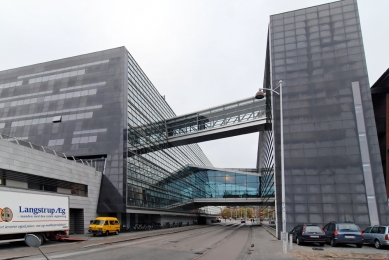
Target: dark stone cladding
104, 100
318, 52
380, 97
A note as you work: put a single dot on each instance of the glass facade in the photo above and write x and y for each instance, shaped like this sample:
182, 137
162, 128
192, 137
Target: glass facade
227, 184
178, 190
101, 107
154, 170
318, 53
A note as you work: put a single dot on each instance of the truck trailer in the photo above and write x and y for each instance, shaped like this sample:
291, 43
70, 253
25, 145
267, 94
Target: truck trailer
46, 216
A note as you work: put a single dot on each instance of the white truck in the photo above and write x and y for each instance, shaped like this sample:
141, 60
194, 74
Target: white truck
46, 216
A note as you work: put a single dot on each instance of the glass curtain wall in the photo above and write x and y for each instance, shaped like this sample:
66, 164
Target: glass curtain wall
215, 183
151, 163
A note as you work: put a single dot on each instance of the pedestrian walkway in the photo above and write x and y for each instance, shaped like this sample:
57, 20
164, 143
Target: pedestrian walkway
265, 246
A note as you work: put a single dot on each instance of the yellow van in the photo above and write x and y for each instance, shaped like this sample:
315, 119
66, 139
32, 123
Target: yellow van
104, 226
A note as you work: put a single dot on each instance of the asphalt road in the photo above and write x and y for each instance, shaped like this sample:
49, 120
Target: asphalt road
214, 242
226, 240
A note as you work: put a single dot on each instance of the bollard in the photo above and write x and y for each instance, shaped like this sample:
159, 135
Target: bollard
290, 241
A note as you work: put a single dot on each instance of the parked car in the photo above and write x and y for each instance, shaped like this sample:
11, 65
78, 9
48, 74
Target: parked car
104, 226
377, 235
343, 233
308, 233
242, 220
272, 222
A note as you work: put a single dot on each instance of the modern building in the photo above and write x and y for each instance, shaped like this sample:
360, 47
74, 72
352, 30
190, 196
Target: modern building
28, 168
332, 161
379, 95
100, 108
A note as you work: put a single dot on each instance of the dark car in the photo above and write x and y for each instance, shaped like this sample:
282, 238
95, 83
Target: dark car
343, 233
242, 220
308, 233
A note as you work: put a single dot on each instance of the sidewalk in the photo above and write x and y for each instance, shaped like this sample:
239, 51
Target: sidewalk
266, 246
91, 241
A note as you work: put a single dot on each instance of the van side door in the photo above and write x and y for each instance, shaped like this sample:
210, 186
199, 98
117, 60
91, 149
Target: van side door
112, 225
107, 226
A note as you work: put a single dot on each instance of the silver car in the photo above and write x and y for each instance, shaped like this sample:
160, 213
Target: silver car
376, 235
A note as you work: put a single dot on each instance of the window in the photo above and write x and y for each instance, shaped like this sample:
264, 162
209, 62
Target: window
348, 226
57, 119
313, 229
381, 230
35, 186
50, 188
79, 189
331, 227
367, 230
374, 230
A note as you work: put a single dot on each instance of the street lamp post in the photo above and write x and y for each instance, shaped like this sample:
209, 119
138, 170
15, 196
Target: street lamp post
260, 94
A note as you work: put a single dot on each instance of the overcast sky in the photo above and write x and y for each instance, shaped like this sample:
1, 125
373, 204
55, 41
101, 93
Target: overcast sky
197, 53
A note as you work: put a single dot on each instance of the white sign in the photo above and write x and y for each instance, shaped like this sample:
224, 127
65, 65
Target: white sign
28, 212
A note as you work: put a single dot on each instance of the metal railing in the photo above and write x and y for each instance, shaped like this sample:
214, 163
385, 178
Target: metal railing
155, 136
43, 149
232, 113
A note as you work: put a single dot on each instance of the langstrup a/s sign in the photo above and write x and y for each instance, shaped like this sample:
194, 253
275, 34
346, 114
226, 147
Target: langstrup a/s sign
42, 210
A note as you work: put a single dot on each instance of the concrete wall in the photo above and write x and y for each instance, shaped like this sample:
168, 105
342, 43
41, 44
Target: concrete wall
26, 160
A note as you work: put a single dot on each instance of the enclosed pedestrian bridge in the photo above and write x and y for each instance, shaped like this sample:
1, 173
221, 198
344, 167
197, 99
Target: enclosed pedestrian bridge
202, 186
237, 118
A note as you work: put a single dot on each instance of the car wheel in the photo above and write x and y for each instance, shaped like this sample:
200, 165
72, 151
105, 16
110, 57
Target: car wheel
107, 233
94, 235
359, 245
298, 242
377, 244
117, 232
332, 242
